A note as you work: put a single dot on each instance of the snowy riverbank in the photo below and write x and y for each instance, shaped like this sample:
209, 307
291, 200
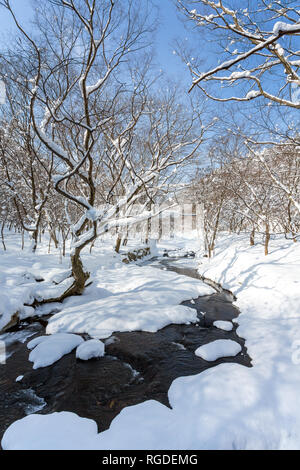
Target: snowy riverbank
121, 297
226, 407
231, 407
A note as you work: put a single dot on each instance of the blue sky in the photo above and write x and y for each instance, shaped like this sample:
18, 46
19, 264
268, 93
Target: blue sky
169, 27
23, 9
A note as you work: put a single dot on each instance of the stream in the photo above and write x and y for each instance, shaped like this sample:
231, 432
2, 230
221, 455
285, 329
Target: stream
137, 366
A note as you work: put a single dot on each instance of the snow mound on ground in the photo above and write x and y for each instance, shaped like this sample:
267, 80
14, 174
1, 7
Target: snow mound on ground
223, 325
90, 349
49, 349
217, 349
56, 431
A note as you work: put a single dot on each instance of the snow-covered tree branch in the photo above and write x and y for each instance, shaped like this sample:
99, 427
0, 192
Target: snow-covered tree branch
258, 49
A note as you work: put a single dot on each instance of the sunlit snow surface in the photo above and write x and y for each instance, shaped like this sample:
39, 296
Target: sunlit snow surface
225, 407
223, 325
129, 298
48, 349
65, 431
219, 348
90, 349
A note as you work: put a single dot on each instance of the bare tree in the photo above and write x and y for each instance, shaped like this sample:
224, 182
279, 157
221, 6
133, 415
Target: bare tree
26, 166
91, 107
259, 47
74, 60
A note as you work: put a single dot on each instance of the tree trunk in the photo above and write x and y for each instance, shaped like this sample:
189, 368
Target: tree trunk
118, 244
2, 235
80, 276
267, 239
35, 240
252, 235
54, 238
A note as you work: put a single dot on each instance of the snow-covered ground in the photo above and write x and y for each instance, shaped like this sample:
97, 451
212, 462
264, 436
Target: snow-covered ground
18, 274
127, 298
225, 407
121, 298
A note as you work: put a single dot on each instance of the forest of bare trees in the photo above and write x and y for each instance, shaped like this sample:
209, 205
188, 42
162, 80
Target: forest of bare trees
88, 130
149, 227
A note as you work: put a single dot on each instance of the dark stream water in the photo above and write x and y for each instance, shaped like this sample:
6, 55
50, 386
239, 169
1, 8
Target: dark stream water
137, 366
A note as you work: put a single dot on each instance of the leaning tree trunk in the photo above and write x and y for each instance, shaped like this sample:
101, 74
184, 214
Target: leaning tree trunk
79, 275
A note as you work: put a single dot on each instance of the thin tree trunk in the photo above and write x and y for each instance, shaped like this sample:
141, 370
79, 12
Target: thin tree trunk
211, 246
54, 238
252, 239
290, 222
267, 239
2, 235
118, 244
35, 240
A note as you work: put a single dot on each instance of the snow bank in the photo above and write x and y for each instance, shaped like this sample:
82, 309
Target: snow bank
267, 287
223, 325
230, 406
57, 431
20, 271
220, 408
90, 349
49, 349
225, 407
219, 348
150, 297
129, 298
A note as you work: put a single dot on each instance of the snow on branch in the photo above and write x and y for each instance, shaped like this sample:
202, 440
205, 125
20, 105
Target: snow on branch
257, 56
